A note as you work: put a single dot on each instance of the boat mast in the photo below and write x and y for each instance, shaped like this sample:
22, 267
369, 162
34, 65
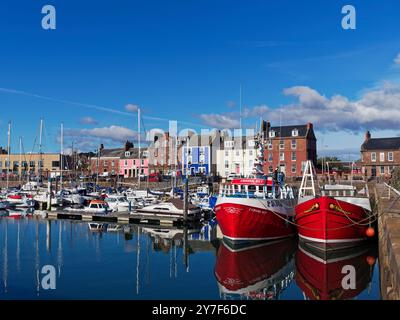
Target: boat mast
20, 159
40, 150
8, 154
62, 156
140, 156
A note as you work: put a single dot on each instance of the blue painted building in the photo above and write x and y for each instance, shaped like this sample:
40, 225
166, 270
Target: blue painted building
196, 159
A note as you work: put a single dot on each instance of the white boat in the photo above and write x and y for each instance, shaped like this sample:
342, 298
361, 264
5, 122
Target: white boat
118, 203
97, 227
70, 198
114, 228
20, 200
4, 205
172, 208
95, 206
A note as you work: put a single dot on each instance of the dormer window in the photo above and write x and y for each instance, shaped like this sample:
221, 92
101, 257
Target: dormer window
272, 134
127, 154
295, 133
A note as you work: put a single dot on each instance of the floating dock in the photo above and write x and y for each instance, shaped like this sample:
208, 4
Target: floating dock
122, 218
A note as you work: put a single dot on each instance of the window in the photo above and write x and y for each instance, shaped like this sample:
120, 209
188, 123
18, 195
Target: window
226, 164
237, 153
382, 157
202, 150
202, 158
281, 144
382, 170
105, 163
391, 169
251, 143
226, 153
272, 134
294, 144
31, 164
126, 163
251, 153
362, 157
228, 144
270, 157
113, 163
295, 132
390, 156
270, 169
269, 143
373, 156
15, 164
54, 164
142, 162
282, 156
293, 168
294, 158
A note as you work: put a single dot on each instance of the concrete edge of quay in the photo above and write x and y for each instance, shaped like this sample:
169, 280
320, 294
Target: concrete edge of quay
389, 248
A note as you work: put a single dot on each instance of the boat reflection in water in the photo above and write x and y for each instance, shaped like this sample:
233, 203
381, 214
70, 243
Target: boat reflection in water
319, 273
259, 272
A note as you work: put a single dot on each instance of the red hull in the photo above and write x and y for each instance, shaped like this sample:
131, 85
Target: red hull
244, 271
331, 222
322, 280
243, 223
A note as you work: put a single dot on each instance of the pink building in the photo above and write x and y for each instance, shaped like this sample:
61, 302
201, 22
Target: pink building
131, 165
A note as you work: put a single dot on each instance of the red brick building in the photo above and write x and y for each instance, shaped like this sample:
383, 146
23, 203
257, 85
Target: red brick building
289, 147
106, 163
379, 156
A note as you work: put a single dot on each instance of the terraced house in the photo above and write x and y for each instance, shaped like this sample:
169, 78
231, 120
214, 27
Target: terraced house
379, 156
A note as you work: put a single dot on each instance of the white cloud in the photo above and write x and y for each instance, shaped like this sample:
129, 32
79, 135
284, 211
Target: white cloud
131, 107
221, 121
397, 59
111, 133
377, 108
89, 120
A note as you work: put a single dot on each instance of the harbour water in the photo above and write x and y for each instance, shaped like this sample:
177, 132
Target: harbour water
143, 263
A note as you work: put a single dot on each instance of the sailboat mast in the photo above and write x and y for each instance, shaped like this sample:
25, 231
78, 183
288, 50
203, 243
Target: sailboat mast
8, 153
140, 156
40, 150
62, 155
20, 159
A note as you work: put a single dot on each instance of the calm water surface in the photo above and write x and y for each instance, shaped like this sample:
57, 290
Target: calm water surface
143, 263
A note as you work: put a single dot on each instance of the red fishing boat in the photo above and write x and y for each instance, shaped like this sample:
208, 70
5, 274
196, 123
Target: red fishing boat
320, 276
337, 216
258, 208
255, 272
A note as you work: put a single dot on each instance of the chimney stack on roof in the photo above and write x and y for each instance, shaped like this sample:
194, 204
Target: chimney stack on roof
367, 136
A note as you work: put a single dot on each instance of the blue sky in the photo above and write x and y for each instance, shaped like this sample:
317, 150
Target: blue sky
185, 61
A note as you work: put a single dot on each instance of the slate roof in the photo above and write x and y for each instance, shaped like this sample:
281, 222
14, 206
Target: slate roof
286, 131
381, 144
120, 153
